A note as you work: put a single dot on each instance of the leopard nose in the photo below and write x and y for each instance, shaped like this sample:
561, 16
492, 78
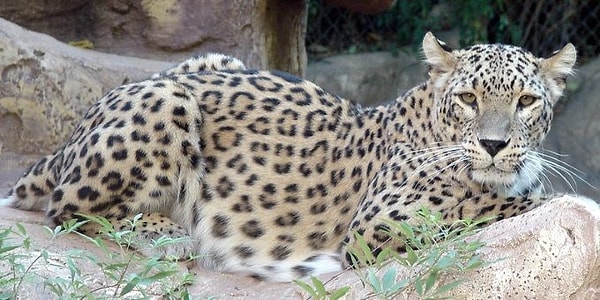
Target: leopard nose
493, 146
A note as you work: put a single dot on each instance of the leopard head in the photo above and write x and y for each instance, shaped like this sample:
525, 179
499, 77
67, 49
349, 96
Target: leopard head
496, 102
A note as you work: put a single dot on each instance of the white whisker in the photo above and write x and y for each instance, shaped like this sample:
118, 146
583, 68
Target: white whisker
558, 161
431, 152
465, 167
569, 174
431, 158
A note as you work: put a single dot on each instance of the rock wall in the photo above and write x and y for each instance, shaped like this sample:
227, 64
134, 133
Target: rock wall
46, 86
576, 132
262, 33
368, 78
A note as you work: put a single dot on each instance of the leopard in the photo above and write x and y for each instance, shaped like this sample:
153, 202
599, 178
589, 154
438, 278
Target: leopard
268, 175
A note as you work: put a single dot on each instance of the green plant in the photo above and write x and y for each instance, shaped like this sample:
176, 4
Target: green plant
406, 22
317, 290
12, 269
433, 250
475, 19
117, 274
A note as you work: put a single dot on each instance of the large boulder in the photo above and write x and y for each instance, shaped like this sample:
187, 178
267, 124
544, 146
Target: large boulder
262, 33
367, 78
552, 252
576, 132
46, 86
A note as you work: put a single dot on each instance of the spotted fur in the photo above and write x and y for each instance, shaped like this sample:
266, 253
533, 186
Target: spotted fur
204, 62
270, 175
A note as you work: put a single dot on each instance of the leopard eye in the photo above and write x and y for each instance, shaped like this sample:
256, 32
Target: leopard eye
526, 100
467, 98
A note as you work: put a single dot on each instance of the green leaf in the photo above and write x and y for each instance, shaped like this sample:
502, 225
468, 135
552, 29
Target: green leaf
374, 281
402, 284
366, 254
160, 275
431, 280
339, 293
383, 256
133, 282
21, 229
474, 246
4, 235
319, 286
8, 249
56, 230
446, 261
26, 243
411, 256
389, 279
305, 286
419, 286
44, 255
474, 263
407, 231
447, 287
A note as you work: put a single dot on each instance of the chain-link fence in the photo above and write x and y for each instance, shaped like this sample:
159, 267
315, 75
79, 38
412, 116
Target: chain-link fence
539, 26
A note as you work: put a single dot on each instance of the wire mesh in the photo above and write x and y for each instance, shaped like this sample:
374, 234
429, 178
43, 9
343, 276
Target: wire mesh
537, 25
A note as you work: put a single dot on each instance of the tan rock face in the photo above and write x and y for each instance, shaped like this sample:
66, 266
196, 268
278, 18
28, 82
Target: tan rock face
552, 252
46, 86
262, 33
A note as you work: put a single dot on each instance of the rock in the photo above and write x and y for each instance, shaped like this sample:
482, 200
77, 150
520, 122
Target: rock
47, 86
552, 252
576, 132
262, 33
368, 78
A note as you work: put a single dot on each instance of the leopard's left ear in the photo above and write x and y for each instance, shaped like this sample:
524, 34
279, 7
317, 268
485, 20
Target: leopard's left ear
560, 64
557, 67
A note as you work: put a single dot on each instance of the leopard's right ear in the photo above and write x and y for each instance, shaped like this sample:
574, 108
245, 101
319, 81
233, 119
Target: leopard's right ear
437, 54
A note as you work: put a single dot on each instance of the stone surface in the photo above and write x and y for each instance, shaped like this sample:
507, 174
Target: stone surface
262, 33
46, 86
368, 78
552, 252
576, 131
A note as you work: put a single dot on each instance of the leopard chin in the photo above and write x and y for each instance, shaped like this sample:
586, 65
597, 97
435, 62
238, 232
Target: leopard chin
526, 180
